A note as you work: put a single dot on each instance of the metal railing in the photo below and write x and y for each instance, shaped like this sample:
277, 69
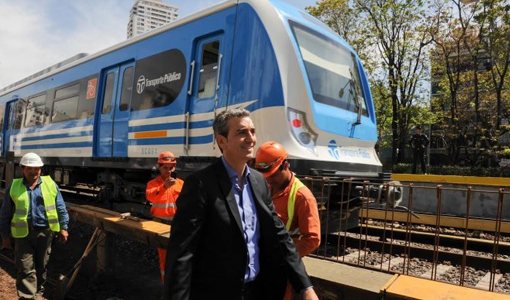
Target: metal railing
454, 233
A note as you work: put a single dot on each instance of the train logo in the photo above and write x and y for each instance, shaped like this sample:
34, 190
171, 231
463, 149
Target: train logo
140, 84
333, 149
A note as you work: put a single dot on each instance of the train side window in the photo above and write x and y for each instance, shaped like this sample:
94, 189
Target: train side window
2, 113
208, 72
36, 109
65, 105
67, 91
108, 93
127, 88
20, 112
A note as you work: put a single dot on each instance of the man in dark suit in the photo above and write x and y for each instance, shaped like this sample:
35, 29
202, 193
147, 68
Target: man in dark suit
226, 240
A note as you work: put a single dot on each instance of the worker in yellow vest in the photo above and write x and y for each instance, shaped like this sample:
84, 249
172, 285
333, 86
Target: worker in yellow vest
162, 192
32, 213
293, 201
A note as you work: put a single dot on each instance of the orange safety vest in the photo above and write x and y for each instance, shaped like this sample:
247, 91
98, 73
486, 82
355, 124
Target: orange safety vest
163, 200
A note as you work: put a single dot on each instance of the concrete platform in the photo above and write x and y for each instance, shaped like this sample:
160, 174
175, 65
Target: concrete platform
333, 280
412, 288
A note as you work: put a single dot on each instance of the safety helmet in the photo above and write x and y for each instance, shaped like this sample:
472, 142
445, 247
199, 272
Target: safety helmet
31, 160
269, 157
167, 157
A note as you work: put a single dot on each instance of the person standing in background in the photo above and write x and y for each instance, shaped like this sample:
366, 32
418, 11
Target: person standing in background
162, 192
419, 142
32, 212
293, 201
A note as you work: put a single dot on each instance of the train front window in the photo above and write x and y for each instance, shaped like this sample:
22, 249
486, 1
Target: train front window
332, 70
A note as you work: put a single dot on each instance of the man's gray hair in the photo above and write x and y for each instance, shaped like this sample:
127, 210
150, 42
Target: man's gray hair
220, 124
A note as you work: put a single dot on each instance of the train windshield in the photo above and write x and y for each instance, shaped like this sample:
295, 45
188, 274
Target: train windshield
332, 70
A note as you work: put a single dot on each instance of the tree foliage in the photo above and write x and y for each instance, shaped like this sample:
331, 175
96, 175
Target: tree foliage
471, 73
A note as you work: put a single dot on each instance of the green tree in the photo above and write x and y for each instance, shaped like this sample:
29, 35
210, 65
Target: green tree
494, 20
470, 67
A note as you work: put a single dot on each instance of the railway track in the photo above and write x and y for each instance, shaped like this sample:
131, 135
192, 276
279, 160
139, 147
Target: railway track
475, 262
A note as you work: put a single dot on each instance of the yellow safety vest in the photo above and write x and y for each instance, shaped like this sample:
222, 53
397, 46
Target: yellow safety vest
19, 195
296, 185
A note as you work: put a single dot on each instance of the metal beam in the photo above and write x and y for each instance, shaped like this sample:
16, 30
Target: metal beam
431, 220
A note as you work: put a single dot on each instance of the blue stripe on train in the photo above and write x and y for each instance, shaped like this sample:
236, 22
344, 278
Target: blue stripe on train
55, 145
206, 139
56, 136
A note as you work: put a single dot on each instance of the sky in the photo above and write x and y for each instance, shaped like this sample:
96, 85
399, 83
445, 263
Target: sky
35, 34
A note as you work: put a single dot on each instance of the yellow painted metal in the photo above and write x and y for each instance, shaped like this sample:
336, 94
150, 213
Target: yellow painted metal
413, 288
445, 221
468, 180
389, 283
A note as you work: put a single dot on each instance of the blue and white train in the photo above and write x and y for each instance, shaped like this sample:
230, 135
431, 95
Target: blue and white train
103, 118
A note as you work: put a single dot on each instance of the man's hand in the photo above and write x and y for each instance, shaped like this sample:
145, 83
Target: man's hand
169, 182
7, 243
309, 294
63, 236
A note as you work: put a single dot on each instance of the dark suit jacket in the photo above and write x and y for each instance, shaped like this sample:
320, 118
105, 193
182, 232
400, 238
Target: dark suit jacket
207, 253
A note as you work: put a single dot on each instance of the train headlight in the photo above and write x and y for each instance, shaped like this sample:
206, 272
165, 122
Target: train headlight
305, 138
301, 130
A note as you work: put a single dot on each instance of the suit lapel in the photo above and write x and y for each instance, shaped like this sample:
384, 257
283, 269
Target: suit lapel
228, 192
257, 196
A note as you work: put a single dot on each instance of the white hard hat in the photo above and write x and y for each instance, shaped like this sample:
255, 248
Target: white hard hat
31, 160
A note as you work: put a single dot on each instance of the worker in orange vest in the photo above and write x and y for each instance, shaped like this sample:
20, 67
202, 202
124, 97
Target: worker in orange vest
294, 202
162, 192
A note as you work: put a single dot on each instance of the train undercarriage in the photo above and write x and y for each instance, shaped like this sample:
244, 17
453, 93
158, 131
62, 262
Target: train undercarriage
119, 184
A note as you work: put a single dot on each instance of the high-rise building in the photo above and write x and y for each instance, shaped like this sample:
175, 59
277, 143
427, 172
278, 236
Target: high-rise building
146, 15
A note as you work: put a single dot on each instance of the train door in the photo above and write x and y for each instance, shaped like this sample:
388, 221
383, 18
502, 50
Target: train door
204, 91
112, 131
3, 128
9, 125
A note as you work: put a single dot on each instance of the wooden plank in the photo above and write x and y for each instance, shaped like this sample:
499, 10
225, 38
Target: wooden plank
148, 232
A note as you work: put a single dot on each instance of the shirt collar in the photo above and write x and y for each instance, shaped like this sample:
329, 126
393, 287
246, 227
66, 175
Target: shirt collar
39, 180
232, 173
286, 190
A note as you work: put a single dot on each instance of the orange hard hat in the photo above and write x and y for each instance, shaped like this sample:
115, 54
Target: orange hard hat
167, 157
269, 157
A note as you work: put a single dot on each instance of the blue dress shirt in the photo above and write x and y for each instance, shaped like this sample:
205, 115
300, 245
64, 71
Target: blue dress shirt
248, 212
